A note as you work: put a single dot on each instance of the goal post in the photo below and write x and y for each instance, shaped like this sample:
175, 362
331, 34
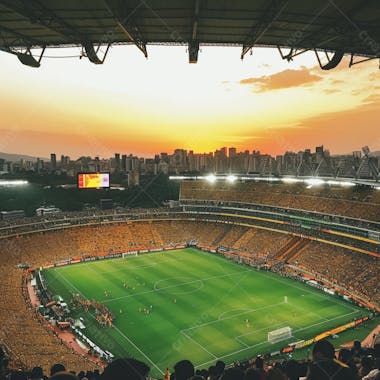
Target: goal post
279, 334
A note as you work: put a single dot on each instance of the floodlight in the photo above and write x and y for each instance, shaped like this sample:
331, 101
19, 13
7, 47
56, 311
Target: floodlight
347, 184
231, 178
314, 181
211, 178
16, 182
290, 180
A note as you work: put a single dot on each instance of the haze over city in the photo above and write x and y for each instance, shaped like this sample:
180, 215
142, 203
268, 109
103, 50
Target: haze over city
144, 107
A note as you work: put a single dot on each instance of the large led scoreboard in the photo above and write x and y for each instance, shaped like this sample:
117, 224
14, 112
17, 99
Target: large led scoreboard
93, 180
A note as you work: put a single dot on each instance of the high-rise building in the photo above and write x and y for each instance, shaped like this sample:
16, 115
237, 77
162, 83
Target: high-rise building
164, 157
319, 149
231, 152
117, 162
39, 165
53, 161
124, 163
65, 161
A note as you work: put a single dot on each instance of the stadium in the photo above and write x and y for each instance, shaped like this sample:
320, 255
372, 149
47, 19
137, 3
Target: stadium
247, 273
253, 270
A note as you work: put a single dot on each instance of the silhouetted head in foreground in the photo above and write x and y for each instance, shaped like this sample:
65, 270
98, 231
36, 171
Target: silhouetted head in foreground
19, 376
36, 373
125, 369
64, 376
323, 349
183, 370
233, 374
57, 368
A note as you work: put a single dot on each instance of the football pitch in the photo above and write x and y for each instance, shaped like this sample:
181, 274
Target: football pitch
202, 307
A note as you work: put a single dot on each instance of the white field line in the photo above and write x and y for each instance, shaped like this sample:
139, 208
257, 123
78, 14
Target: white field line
241, 342
198, 344
307, 311
138, 349
264, 328
260, 344
246, 348
235, 315
91, 265
120, 269
174, 286
117, 329
316, 292
70, 284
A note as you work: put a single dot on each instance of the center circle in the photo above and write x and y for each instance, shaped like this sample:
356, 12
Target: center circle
178, 285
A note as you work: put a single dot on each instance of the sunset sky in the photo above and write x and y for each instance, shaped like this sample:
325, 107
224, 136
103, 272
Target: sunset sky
133, 105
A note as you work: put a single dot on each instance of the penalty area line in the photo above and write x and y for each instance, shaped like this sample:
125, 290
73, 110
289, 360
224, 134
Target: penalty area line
197, 343
264, 342
138, 349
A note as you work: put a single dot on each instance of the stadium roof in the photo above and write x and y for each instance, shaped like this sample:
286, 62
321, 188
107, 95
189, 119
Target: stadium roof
336, 26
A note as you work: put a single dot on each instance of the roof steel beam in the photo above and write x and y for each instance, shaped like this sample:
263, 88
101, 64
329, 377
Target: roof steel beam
21, 37
129, 28
340, 30
194, 43
38, 13
271, 14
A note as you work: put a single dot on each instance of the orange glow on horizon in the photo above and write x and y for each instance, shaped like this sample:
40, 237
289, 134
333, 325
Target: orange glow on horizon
143, 107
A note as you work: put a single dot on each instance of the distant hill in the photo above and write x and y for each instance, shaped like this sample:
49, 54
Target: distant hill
375, 154
17, 157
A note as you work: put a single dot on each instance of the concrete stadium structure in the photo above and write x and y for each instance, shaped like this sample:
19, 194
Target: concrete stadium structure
333, 27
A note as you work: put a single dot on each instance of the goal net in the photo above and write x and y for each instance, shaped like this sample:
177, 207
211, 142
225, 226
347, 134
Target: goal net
279, 334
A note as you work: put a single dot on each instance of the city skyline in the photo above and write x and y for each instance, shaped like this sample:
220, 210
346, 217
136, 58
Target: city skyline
228, 149
313, 162
148, 106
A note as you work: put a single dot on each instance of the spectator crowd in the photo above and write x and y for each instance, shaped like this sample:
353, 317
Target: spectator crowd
357, 363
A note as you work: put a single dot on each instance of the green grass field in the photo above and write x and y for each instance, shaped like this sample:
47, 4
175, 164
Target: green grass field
200, 304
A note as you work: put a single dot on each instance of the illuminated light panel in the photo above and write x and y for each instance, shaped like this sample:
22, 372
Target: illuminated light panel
291, 180
93, 180
13, 183
211, 178
314, 182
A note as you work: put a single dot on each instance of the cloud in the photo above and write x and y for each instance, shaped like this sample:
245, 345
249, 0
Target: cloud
284, 79
240, 138
342, 132
373, 98
329, 91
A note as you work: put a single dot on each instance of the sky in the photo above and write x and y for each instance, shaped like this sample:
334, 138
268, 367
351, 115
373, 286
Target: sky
131, 104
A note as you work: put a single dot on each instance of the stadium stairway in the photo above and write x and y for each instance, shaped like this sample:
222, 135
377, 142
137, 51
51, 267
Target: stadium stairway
221, 235
296, 250
244, 239
285, 247
295, 242
157, 237
232, 236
